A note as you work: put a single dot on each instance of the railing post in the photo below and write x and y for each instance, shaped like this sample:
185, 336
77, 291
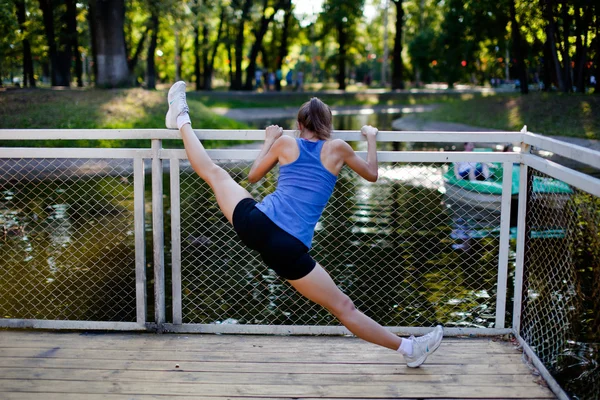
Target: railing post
158, 239
140, 246
176, 240
504, 244
521, 242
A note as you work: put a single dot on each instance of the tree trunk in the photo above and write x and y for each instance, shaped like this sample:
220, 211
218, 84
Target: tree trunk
132, 62
48, 18
548, 12
259, 35
211, 65
108, 17
71, 22
518, 49
178, 54
597, 60
342, 40
151, 66
230, 56
197, 56
283, 47
566, 58
28, 77
239, 46
204, 54
397, 67
583, 26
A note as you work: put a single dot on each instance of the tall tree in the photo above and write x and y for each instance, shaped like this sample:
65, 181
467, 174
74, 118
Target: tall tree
259, 34
518, 49
8, 27
597, 39
210, 66
28, 77
397, 66
108, 39
552, 53
283, 45
73, 38
236, 84
566, 30
342, 16
150, 59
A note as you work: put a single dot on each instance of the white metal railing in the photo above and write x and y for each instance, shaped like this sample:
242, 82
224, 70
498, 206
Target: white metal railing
201, 301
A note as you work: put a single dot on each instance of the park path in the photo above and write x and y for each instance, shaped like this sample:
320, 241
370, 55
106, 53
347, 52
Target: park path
252, 114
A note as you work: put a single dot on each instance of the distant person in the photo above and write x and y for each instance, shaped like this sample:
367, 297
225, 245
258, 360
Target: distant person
281, 227
271, 81
257, 78
300, 81
278, 78
289, 78
473, 171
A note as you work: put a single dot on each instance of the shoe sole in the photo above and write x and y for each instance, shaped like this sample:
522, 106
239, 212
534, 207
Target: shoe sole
420, 361
173, 88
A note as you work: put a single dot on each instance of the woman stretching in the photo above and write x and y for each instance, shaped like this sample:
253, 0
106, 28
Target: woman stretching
281, 227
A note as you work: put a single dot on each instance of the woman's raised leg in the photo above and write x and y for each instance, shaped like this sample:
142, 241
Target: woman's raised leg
318, 286
227, 191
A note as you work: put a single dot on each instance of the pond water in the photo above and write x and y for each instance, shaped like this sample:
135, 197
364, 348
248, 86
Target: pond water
402, 249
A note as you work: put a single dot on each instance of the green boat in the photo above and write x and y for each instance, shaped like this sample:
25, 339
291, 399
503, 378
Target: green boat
487, 194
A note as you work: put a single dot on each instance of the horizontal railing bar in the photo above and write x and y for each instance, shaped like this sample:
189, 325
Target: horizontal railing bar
568, 150
52, 152
578, 179
382, 156
537, 363
54, 324
321, 330
251, 134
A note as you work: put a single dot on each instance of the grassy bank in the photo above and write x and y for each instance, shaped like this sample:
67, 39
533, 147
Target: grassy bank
296, 99
98, 109
545, 113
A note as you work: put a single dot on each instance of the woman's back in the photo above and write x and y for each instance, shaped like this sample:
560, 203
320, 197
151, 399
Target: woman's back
303, 189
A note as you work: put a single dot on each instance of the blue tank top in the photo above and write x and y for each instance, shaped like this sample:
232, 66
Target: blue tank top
303, 189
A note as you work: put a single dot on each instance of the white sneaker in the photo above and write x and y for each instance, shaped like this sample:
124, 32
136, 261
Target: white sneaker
423, 346
177, 104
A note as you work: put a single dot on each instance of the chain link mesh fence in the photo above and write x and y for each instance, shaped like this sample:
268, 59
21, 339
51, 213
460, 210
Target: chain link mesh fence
561, 283
408, 250
67, 239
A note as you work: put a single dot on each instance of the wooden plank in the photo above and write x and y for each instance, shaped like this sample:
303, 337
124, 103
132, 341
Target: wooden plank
198, 346
108, 396
17, 336
140, 242
404, 389
249, 378
252, 134
382, 156
568, 150
342, 350
158, 237
273, 357
274, 368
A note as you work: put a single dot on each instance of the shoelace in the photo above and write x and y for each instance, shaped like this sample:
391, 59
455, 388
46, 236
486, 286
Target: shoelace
185, 108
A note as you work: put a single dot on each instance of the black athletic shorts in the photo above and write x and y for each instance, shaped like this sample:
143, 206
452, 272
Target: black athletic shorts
282, 252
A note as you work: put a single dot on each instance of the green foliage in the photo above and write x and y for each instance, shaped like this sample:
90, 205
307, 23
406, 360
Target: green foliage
8, 27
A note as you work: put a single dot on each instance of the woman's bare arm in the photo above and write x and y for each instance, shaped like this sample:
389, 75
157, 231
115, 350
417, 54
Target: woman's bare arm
269, 154
366, 168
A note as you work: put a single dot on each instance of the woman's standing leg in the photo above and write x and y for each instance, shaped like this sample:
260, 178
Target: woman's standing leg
318, 286
227, 191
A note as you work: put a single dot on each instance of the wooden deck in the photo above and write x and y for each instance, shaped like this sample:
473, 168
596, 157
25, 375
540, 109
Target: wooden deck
115, 366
